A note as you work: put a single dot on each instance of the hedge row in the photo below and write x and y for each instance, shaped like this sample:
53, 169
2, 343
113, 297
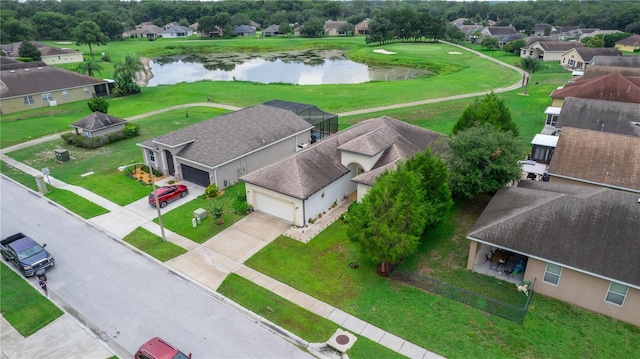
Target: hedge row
129, 131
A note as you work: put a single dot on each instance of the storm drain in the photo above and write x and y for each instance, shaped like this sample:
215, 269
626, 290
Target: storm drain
341, 340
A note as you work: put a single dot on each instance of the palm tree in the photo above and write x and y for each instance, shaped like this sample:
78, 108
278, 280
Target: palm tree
129, 68
529, 65
89, 67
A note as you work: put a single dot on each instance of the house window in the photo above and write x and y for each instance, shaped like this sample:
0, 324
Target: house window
65, 94
28, 100
616, 293
542, 154
552, 273
46, 97
152, 156
552, 119
86, 90
88, 134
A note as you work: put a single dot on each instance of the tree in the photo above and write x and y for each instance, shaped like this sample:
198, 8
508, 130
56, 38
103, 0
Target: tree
206, 25
594, 41
314, 27
530, 66
387, 225
491, 43
50, 25
98, 104
27, 49
433, 175
87, 32
125, 74
285, 28
108, 23
347, 29
482, 159
515, 46
89, 67
490, 109
12, 30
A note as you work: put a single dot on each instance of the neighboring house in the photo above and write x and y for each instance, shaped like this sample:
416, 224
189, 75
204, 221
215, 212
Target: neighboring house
472, 32
630, 73
332, 28
579, 243
28, 85
51, 55
597, 158
579, 57
177, 31
245, 30
362, 28
535, 166
606, 116
612, 87
254, 24
272, 30
540, 29
618, 61
630, 44
194, 28
459, 21
510, 38
98, 124
497, 31
222, 149
548, 50
300, 187
147, 30
598, 32
170, 25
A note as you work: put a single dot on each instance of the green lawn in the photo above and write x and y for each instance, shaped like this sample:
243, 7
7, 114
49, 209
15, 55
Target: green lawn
76, 204
153, 245
294, 318
179, 219
22, 305
439, 324
15, 174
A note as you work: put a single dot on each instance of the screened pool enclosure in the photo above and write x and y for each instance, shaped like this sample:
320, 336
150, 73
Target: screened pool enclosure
325, 124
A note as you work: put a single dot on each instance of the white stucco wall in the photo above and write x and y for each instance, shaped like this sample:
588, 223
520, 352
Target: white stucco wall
366, 162
334, 192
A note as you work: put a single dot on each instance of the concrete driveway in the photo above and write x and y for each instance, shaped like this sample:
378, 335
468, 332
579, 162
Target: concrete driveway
211, 262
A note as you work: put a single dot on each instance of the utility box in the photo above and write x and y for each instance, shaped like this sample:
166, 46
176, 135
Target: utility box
200, 213
62, 155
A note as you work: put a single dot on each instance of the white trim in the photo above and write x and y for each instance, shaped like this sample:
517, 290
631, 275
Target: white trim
624, 297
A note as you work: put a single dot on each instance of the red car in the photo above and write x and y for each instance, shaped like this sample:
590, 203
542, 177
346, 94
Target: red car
168, 194
156, 348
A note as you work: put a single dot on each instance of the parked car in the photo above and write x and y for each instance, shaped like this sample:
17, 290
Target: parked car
26, 254
157, 348
168, 194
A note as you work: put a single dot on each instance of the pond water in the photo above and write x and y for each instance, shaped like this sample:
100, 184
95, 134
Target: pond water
300, 68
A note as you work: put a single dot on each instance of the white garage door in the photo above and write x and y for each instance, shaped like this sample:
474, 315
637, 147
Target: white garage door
274, 206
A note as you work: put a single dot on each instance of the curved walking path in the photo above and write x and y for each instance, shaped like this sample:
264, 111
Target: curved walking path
224, 247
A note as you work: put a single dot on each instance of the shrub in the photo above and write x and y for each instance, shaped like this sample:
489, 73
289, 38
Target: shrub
129, 131
218, 211
156, 173
211, 190
106, 58
98, 104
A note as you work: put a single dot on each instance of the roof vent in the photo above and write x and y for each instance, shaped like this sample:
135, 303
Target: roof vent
12, 70
26, 69
39, 68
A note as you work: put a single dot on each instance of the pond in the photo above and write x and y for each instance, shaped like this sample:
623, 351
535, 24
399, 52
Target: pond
299, 68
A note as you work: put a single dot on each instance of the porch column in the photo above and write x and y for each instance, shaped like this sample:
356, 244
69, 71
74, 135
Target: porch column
473, 250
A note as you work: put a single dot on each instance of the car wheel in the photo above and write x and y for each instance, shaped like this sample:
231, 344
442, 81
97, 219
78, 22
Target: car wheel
163, 204
183, 194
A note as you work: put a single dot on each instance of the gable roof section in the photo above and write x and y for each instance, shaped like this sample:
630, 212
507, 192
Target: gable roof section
501, 30
620, 61
272, 28
244, 29
333, 25
221, 139
308, 171
97, 121
612, 87
608, 116
177, 29
556, 46
589, 229
604, 159
631, 73
633, 40
37, 77
587, 53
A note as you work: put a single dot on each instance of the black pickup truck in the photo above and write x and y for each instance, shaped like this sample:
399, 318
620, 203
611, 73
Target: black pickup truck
26, 254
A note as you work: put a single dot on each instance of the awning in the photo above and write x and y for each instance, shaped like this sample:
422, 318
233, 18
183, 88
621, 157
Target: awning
552, 110
545, 140
534, 167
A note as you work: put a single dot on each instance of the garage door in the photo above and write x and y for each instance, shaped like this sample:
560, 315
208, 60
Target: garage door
195, 175
274, 206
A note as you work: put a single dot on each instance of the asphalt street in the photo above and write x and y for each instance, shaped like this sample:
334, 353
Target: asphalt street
128, 297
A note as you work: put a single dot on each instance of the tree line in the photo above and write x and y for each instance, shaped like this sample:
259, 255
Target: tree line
55, 20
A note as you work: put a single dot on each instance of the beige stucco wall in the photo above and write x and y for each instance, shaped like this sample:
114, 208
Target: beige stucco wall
557, 102
575, 56
16, 104
626, 48
585, 291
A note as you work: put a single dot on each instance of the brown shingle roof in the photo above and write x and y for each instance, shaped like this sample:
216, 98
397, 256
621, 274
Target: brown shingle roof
220, 139
587, 53
308, 171
97, 121
570, 225
622, 61
598, 115
39, 78
611, 87
631, 73
630, 41
606, 159
558, 46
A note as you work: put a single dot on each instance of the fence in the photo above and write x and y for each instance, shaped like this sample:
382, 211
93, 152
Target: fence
475, 300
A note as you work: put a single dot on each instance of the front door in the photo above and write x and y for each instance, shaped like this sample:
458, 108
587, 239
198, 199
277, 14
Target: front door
170, 166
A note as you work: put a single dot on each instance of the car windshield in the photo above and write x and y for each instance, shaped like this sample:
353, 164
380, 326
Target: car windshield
30, 252
180, 355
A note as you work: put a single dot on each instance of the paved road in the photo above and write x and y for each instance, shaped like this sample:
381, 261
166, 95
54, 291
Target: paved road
129, 296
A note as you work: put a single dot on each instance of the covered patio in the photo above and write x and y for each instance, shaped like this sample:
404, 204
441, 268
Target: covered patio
500, 263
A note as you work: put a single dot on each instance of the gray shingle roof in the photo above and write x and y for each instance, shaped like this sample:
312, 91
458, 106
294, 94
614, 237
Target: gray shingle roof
633, 40
39, 78
607, 159
599, 115
308, 171
223, 138
97, 121
558, 46
621, 61
587, 228
587, 53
